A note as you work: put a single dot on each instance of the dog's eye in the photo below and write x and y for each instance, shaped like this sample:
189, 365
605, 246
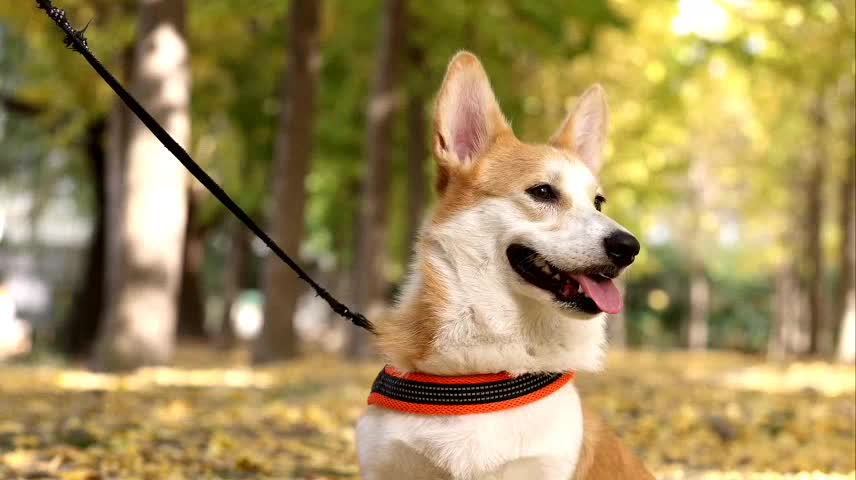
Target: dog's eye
599, 200
543, 192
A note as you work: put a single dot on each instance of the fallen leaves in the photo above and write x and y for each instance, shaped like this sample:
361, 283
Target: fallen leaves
679, 409
690, 417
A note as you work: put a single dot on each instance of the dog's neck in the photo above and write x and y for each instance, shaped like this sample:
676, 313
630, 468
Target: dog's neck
458, 307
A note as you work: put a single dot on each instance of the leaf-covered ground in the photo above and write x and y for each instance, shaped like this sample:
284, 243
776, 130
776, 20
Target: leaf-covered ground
689, 416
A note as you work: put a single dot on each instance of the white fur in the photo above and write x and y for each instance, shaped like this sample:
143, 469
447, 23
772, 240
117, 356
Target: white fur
537, 441
495, 321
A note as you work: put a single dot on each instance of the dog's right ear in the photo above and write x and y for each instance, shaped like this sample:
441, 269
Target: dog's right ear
584, 130
467, 118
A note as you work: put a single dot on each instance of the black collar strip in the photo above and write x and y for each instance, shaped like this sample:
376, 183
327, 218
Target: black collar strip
411, 391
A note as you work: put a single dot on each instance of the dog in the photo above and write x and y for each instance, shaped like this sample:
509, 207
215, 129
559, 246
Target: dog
507, 296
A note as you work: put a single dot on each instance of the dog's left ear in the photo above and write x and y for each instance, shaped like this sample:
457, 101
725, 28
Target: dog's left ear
467, 118
584, 130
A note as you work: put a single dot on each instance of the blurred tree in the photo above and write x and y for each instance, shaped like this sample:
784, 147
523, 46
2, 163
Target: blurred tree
794, 35
47, 89
107, 160
237, 101
118, 135
78, 332
369, 268
786, 334
236, 278
846, 349
139, 328
616, 325
700, 185
417, 147
191, 293
738, 97
293, 154
814, 274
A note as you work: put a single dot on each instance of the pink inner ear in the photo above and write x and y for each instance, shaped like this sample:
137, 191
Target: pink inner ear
588, 139
470, 128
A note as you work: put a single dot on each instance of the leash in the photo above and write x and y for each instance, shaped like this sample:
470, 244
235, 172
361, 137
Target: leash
76, 40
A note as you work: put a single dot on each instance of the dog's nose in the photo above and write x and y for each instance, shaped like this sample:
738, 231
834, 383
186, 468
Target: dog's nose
621, 247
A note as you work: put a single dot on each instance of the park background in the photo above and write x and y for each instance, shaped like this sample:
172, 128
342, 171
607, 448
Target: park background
146, 334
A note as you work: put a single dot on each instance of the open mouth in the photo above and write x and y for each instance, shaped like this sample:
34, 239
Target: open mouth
590, 292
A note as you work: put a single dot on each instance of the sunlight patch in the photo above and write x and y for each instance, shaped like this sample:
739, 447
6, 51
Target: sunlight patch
705, 18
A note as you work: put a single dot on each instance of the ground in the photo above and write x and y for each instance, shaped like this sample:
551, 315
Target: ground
693, 416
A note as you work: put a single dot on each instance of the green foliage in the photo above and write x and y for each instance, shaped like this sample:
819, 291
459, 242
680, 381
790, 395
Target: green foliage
681, 92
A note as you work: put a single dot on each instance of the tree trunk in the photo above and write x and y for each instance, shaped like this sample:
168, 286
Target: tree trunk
790, 329
140, 328
117, 159
616, 325
697, 331
191, 297
417, 153
789, 332
369, 276
846, 349
821, 341
696, 328
347, 241
236, 278
278, 339
81, 326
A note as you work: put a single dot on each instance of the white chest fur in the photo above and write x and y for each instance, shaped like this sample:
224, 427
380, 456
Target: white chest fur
542, 439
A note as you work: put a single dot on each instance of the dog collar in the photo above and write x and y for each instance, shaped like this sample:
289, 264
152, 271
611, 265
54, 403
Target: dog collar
464, 395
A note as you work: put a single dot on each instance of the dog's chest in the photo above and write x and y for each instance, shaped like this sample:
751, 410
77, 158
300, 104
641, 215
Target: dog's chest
470, 446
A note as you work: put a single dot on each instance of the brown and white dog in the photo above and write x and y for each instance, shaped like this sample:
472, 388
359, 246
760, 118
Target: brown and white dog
512, 276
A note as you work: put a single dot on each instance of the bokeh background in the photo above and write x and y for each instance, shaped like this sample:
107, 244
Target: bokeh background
147, 334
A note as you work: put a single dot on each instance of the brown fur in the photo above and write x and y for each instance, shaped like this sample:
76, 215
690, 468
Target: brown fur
407, 334
507, 168
603, 456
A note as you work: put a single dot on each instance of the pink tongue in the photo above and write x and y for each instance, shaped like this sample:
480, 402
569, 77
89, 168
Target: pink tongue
604, 293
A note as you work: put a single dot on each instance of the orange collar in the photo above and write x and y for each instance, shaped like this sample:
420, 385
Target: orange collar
438, 395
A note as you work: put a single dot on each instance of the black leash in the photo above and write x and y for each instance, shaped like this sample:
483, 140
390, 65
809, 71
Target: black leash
76, 40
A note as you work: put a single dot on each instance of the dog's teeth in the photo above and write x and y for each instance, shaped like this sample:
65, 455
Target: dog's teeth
557, 277
579, 289
545, 269
540, 262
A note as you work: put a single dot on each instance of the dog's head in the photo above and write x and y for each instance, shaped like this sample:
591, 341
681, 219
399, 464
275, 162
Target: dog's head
518, 250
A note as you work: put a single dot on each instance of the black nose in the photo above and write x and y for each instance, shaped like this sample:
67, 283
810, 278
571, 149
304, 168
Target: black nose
621, 247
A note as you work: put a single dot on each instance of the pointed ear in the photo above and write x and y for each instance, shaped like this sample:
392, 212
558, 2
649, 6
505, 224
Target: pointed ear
467, 118
584, 130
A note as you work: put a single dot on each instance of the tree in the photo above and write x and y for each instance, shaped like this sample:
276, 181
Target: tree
846, 350
81, 326
236, 277
417, 150
369, 272
616, 325
139, 326
293, 154
787, 335
699, 291
191, 296
814, 271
